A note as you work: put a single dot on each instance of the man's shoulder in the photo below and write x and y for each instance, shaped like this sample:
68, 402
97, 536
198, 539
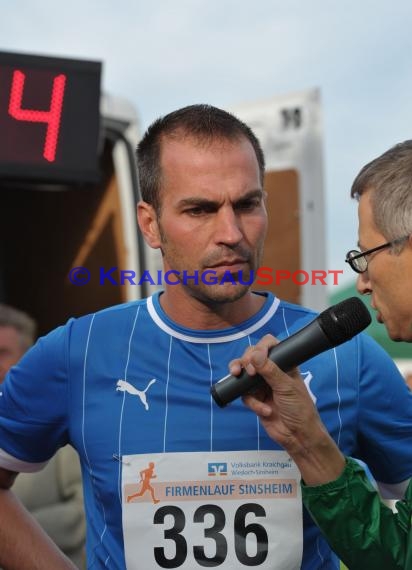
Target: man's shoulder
79, 327
114, 313
296, 315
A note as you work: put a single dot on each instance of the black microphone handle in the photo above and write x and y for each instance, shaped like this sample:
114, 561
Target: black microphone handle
306, 343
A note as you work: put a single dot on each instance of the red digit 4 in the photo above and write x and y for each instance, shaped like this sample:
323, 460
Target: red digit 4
51, 117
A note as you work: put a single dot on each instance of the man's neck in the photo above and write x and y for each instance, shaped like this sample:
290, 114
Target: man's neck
188, 311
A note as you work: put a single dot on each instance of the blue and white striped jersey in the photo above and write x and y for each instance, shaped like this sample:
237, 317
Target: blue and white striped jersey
129, 381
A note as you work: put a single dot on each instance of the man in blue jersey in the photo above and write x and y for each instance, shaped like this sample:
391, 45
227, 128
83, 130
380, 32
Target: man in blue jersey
129, 387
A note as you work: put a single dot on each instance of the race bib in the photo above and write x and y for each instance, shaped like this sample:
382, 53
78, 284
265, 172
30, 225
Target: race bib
227, 510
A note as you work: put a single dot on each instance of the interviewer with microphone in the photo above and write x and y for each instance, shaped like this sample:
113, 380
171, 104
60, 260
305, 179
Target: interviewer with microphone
362, 530
287, 413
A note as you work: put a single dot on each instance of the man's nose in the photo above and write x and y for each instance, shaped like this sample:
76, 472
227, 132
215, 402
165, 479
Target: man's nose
228, 227
363, 284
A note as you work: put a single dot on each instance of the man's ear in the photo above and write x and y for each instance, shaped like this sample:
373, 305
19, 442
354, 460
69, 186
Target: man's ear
147, 220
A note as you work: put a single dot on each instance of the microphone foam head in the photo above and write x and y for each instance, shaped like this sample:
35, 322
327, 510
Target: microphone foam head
344, 320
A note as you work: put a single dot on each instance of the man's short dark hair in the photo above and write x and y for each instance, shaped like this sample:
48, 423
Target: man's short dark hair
202, 122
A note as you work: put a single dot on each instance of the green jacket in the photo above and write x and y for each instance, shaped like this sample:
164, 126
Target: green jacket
363, 532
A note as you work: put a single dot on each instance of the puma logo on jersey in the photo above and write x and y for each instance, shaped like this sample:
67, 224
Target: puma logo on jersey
307, 377
124, 386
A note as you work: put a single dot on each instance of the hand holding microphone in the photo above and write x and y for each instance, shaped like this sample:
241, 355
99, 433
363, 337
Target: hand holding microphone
331, 328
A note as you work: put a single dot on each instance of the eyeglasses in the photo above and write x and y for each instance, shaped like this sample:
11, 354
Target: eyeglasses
357, 259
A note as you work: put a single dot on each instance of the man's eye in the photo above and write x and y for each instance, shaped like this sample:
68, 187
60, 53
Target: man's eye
198, 211
194, 211
248, 205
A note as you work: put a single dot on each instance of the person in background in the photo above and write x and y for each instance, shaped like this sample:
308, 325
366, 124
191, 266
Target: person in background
53, 495
363, 531
129, 386
17, 334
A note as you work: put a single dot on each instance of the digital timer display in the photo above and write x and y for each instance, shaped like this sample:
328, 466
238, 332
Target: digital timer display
49, 118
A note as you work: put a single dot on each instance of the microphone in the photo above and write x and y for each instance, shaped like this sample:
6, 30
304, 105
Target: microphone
331, 328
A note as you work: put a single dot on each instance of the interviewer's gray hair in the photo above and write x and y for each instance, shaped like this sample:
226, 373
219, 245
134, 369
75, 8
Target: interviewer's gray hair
390, 178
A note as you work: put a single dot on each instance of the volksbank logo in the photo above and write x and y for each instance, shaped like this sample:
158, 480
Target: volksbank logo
216, 469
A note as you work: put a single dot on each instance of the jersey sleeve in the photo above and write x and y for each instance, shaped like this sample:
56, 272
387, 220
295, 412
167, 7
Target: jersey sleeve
384, 415
362, 531
33, 404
